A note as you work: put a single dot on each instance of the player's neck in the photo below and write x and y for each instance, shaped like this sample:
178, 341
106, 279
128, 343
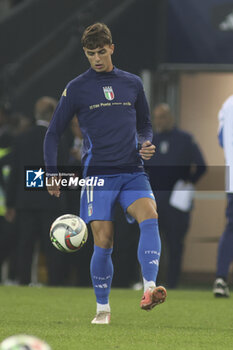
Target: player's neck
108, 70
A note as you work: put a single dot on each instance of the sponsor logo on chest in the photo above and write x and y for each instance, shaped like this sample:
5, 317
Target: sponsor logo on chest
108, 93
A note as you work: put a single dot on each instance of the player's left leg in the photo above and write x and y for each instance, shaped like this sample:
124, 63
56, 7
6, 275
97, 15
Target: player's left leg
149, 248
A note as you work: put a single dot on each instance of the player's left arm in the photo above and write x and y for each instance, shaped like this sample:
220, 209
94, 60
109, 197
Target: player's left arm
144, 127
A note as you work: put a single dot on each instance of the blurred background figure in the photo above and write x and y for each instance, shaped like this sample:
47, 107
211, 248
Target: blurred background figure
6, 141
34, 211
15, 123
177, 165
20, 123
6, 137
225, 248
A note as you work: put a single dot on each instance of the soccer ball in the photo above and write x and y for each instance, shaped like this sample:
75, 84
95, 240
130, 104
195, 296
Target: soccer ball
23, 342
68, 233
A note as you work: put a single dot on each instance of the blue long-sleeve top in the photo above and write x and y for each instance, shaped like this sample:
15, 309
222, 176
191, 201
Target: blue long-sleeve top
114, 118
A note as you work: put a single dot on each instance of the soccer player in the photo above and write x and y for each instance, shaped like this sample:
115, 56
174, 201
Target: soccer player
114, 119
225, 248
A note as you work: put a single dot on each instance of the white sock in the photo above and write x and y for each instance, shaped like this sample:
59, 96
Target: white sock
148, 284
103, 307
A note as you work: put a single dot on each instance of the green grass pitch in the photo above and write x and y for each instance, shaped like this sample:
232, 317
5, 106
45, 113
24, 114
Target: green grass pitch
189, 319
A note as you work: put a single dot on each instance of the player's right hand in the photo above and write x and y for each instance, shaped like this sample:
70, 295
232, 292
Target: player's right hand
53, 187
147, 150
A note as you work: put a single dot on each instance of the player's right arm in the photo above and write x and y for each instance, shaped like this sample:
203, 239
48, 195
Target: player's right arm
63, 114
228, 140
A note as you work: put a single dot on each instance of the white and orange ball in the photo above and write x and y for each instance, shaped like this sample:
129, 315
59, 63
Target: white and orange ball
23, 342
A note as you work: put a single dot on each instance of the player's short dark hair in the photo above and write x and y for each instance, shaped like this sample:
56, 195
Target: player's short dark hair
96, 35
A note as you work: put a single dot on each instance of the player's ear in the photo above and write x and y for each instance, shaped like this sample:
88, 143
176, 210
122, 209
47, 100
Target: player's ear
84, 49
112, 47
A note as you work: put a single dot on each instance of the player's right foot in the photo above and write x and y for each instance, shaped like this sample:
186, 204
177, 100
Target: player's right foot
102, 317
220, 288
152, 297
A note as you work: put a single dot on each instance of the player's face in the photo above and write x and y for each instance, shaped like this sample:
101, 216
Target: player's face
100, 59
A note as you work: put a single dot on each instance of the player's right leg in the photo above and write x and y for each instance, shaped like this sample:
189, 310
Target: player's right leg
225, 253
97, 208
102, 268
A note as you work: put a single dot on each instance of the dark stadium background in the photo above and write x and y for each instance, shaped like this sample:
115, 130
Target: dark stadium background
177, 41
40, 43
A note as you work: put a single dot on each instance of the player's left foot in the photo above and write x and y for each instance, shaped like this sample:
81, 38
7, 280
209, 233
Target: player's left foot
102, 317
152, 297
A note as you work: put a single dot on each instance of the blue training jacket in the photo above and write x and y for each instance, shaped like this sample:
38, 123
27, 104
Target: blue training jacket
114, 118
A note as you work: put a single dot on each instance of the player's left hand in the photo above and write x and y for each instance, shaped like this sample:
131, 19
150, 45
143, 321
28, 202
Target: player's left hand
147, 150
